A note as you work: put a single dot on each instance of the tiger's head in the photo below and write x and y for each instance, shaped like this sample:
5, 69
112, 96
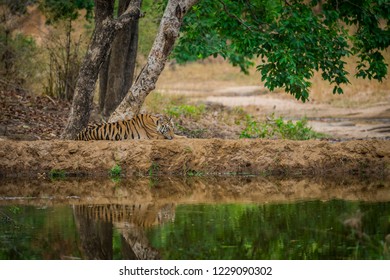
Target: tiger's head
165, 126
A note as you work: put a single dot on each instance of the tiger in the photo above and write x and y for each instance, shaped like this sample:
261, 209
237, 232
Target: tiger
141, 126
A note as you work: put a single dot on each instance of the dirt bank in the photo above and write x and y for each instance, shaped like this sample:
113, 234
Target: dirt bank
184, 190
195, 157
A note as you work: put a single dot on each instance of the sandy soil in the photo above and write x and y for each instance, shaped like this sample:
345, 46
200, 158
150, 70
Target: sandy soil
368, 157
371, 121
363, 111
40, 118
193, 157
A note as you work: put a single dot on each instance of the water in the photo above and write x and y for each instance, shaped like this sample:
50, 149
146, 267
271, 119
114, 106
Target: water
195, 218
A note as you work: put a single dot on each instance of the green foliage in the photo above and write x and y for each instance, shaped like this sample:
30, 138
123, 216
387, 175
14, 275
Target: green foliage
279, 128
64, 10
334, 229
17, 7
153, 172
176, 107
19, 60
371, 17
292, 39
116, 171
310, 230
149, 24
17, 51
157, 102
59, 10
153, 169
56, 174
191, 133
37, 233
14, 209
65, 52
191, 111
194, 173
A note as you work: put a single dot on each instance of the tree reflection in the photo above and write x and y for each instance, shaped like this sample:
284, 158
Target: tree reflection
95, 224
215, 218
303, 230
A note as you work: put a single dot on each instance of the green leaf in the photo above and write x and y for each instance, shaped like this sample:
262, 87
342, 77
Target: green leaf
291, 39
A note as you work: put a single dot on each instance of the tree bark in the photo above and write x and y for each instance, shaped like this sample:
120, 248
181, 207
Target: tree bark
103, 78
162, 47
116, 76
103, 36
103, 9
68, 93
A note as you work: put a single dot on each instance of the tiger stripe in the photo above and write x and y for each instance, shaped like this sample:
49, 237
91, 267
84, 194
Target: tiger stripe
141, 126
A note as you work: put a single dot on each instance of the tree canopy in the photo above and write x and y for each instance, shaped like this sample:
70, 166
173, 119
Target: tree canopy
291, 38
56, 10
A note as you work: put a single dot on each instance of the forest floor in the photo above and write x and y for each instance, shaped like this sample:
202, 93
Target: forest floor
362, 122
363, 112
38, 117
27, 116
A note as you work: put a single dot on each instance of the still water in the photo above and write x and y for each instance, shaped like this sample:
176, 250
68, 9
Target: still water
195, 218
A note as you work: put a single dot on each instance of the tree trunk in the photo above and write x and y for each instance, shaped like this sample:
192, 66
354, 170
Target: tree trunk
68, 30
104, 10
116, 76
103, 36
162, 47
103, 78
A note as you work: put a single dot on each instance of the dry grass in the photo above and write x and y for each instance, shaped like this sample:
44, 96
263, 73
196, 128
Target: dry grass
205, 76
208, 76
361, 92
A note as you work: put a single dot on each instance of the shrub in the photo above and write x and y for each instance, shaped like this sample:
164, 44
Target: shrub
191, 111
279, 128
116, 171
19, 61
57, 174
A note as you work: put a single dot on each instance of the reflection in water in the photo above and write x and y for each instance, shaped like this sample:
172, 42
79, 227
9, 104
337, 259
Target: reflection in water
95, 236
302, 230
192, 190
193, 218
96, 222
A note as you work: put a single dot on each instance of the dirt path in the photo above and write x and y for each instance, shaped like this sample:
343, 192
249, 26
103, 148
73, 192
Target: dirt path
40, 118
371, 121
363, 111
195, 157
33, 117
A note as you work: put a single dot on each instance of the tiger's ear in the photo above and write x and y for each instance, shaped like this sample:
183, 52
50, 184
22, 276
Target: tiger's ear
161, 118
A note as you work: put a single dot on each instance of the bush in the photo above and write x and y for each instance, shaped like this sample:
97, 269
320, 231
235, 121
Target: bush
65, 53
56, 174
116, 171
19, 61
190, 111
279, 128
